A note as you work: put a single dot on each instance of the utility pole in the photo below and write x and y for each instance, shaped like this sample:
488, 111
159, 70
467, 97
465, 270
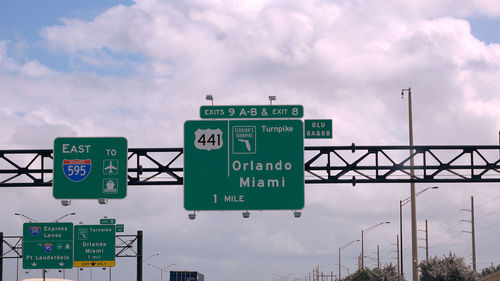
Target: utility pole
426, 242
414, 242
378, 256
473, 234
397, 251
400, 250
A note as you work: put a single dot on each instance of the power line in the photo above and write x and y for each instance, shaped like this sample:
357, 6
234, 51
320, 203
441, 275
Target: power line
491, 226
487, 202
492, 213
445, 231
439, 245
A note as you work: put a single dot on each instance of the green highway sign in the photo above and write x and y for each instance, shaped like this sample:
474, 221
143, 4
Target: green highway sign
107, 221
94, 245
120, 228
90, 168
47, 245
244, 165
251, 111
318, 129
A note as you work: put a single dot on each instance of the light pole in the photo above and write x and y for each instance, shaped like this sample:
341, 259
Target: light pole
362, 241
340, 249
24, 216
60, 218
414, 244
345, 267
161, 269
401, 204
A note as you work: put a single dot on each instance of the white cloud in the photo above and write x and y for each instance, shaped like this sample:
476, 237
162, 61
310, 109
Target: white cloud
345, 60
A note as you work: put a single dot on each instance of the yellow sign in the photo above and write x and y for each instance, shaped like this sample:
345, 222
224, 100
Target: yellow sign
93, 263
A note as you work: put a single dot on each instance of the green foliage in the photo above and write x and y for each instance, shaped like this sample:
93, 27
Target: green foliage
360, 275
447, 268
489, 270
388, 273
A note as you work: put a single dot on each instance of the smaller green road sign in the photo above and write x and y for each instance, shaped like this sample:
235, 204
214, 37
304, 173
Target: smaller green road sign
94, 245
90, 168
120, 228
47, 245
318, 129
107, 221
251, 111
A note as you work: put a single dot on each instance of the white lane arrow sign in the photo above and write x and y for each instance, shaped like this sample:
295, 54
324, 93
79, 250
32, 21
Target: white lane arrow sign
33, 264
61, 264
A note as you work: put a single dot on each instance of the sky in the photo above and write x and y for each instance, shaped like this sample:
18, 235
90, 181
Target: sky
140, 69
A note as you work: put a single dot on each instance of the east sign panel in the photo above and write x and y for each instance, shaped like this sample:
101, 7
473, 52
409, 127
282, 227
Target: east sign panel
90, 168
47, 245
94, 245
243, 165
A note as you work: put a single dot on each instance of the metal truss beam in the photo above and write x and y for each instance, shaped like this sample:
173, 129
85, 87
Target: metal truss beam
323, 164
391, 164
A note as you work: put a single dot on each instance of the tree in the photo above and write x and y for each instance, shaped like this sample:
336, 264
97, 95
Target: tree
388, 273
360, 275
447, 268
489, 270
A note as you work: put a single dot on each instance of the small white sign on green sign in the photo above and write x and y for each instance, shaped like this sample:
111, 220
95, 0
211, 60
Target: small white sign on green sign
318, 129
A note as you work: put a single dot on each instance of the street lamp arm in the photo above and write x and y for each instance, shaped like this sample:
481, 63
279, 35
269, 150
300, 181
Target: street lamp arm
150, 257
165, 267
346, 245
24, 216
373, 226
408, 200
69, 214
154, 266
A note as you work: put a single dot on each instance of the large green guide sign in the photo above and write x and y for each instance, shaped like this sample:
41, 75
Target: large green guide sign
90, 168
47, 245
244, 164
94, 245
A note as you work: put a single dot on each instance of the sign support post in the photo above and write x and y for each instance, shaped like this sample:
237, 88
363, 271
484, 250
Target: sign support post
1, 256
139, 255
